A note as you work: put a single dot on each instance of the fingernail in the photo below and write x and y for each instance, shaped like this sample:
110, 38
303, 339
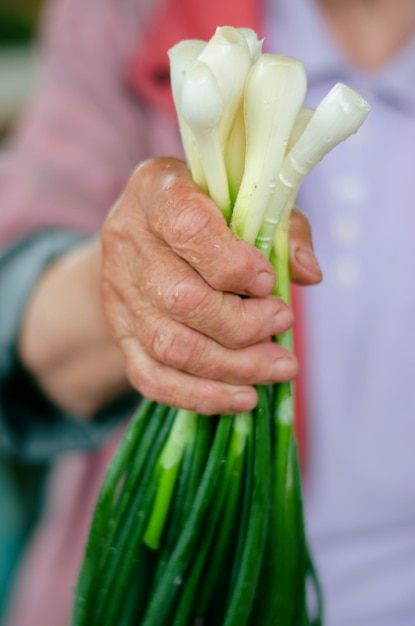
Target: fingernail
282, 321
284, 368
262, 284
307, 258
244, 401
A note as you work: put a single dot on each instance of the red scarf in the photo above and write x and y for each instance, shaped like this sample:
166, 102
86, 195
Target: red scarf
148, 75
174, 21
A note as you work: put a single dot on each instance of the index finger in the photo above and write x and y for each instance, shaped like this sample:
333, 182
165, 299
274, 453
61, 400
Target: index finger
304, 266
194, 228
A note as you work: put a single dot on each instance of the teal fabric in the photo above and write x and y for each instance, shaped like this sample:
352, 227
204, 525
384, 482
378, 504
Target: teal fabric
12, 532
21, 497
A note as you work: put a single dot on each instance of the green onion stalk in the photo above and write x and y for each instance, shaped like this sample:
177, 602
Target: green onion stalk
200, 520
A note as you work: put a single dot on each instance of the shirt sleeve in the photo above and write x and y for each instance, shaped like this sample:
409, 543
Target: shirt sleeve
31, 427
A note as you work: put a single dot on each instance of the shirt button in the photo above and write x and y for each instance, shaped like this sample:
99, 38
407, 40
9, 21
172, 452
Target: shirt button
345, 273
344, 229
349, 190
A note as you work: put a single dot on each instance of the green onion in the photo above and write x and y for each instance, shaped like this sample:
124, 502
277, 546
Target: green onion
181, 58
200, 519
182, 434
274, 94
202, 109
228, 56
337, 116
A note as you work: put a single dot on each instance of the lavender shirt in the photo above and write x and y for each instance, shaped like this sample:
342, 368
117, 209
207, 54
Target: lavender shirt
360, 504
361, 335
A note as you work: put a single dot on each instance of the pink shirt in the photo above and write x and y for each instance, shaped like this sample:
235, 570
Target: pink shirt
74, 150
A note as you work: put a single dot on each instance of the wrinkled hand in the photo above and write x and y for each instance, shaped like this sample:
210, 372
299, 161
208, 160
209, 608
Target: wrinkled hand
172, 281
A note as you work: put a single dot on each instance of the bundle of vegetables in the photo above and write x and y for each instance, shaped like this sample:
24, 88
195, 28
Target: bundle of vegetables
200, 520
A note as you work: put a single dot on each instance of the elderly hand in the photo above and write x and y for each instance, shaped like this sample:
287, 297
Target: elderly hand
172, 285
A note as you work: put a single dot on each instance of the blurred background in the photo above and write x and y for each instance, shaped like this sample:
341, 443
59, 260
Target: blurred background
18, 29
19, 21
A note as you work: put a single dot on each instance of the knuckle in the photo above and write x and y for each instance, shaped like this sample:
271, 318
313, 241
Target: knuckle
191, 223
177, 213
164, 345
180, 350
184, 296
192, 301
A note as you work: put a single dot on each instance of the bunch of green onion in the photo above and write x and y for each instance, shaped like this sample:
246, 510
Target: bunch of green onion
200, 520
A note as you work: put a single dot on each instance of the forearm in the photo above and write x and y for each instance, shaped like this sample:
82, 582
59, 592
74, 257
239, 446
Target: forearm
64, 343
32, 426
